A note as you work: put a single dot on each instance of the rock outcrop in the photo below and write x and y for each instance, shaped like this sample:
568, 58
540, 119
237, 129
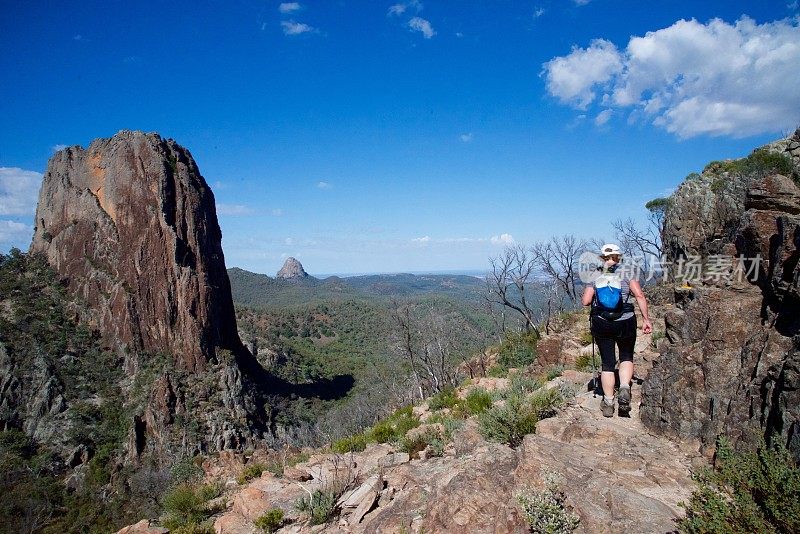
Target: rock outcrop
292, 270
131, 225
732, 364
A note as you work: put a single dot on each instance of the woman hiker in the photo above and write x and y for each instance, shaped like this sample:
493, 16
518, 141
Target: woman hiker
613, 323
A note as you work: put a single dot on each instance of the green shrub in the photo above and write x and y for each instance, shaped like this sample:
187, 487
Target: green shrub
520, 385
585, 338
497, 371
270, 521
446, 398
544, 510
518, 349
321, 506
478, 400
510, 422
545, 402
394, 427
656, 337
747, 492
421, 441
584, 362
250, 472
185, 471
355, 443
184, 507
555, 372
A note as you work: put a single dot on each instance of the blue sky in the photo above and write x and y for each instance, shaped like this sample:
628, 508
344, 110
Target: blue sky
383, 136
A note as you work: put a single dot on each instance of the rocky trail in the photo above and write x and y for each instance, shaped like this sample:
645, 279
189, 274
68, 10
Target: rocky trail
614, 474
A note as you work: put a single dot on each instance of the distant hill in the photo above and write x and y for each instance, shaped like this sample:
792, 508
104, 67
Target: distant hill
262, 291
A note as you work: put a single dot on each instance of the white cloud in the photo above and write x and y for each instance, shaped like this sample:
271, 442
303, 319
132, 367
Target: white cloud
692, 78
459, 34
466, 137
19, 191
538, 12
288, 241
572, 78
424, 239
603, 117
402, 7
322, 184
288, 7
56, 148
502, 239
291, 27
581, 2
14, 233
419, 24
793, 5
277, 212
233, 210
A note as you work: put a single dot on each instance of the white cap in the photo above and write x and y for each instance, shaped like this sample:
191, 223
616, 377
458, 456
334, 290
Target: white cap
609, 249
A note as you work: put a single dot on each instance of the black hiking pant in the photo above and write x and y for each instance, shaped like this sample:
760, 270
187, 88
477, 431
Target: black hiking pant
607, 334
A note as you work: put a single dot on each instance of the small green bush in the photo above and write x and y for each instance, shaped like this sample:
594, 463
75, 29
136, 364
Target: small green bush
497, 371
478, 400
510, 422
250, 472
270, 521
545, 511
656, 337
586, 338
555, 372
184, 507
584, 362
520, 385
518, 349
355, 443
185, 471
545, 402
747, 492
446, 398
420, 442
394, 427
321, 506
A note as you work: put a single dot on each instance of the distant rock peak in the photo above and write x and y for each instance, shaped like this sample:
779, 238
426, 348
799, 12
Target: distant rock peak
291, 270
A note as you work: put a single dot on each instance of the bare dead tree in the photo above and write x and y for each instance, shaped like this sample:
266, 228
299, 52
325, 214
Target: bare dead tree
644, 240
511, 276
557, 259
407, 343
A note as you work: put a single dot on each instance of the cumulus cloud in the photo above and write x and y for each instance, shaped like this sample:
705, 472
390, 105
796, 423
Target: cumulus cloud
288, 7
581, 2
402, 7
538, 12
322, 184
603, 117
19, 191
691, 78
423, 239
291, 27
56, 148
233, 210
502, 239
466, 137
418, 24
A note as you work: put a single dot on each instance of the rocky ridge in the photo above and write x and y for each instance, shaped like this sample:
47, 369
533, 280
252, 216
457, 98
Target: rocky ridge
129, 225
732, 362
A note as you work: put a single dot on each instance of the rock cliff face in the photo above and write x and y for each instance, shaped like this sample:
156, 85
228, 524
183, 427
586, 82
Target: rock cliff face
131, 225
732, 365
292, 269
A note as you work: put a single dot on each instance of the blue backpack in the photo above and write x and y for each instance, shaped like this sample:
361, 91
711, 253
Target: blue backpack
608, 296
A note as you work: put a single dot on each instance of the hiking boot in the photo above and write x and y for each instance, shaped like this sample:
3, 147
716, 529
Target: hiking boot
624, 400
606, 408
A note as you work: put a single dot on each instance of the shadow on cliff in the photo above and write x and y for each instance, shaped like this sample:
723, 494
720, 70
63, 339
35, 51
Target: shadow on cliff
323, 389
